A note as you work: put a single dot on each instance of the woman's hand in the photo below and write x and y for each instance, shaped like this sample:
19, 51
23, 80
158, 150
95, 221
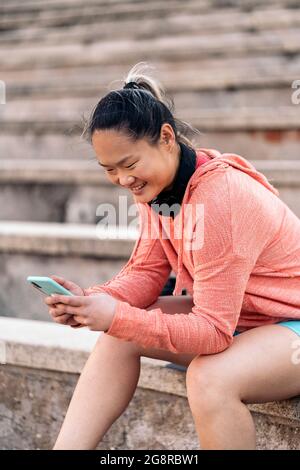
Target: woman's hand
64, 319
94, 311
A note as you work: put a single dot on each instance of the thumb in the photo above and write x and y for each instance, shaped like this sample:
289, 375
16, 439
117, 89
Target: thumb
59, 279
69, 285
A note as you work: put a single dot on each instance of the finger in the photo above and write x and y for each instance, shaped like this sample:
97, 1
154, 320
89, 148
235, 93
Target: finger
54, 312
58, 310
58, 279
74, 300
62, 319
81, 320
49, 300
77, 326
71, 321
62, 309
64, 282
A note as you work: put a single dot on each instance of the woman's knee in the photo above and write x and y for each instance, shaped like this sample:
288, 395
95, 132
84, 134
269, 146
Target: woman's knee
207, 383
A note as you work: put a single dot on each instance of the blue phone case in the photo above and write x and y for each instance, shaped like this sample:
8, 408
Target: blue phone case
47, 285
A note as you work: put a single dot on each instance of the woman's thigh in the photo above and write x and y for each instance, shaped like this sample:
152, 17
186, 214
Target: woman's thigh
261, 365
170, 304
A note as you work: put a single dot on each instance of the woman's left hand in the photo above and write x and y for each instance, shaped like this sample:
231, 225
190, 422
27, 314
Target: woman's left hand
93, 311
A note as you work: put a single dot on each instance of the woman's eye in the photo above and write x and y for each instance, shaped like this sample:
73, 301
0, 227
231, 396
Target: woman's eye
125, 167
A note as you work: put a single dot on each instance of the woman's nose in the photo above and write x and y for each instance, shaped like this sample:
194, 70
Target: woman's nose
126, 181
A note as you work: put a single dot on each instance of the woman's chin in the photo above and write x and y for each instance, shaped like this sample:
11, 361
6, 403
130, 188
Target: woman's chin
145, 196
142, 198
142, 195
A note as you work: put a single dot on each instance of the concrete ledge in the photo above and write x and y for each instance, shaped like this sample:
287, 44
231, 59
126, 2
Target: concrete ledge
57, 191
40, 359
52, 171
50, 346
283, 173
66, 239
44, 345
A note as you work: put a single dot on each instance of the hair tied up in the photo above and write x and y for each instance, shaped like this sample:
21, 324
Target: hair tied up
138, 115
131, 85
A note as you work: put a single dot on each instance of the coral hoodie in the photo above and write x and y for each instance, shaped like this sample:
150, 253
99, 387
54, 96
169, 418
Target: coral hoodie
239, 259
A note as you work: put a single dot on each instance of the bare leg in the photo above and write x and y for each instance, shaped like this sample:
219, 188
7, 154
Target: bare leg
108, 382
260, 366
105, 388
226, 426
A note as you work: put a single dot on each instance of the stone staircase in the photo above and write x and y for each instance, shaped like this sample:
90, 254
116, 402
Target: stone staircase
228, 65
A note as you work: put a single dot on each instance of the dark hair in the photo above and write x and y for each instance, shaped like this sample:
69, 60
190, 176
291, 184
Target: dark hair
138, 112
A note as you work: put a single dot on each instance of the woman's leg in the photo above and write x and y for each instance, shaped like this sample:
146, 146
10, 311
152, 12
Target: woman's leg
260, 366
108, 382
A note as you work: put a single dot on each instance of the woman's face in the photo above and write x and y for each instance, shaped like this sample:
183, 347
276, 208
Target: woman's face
152, 167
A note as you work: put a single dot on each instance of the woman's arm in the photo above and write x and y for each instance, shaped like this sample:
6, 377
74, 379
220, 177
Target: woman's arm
143, 277
222, 267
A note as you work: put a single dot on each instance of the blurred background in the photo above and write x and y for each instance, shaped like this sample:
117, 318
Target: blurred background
229, 65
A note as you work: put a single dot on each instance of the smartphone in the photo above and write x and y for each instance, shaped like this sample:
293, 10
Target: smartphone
47, 286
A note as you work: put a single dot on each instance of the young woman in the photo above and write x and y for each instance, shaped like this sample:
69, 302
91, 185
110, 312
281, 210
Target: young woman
238, 258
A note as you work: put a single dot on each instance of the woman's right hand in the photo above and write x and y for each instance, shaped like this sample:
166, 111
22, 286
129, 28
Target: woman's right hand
54, 311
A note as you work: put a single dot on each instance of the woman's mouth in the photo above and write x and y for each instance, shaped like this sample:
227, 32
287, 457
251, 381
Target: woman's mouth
138, 189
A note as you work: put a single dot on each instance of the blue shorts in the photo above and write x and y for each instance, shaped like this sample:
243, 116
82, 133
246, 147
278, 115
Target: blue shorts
291, 324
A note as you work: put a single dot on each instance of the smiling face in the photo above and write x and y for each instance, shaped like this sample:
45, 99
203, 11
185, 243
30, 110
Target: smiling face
147, 170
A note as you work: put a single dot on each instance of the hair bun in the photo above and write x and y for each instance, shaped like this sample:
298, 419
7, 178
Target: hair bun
131, 85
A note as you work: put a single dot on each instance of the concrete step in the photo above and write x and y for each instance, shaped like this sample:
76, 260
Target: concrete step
247, 5
63, 117
178, 22
82, 253
55, 191
214, 73
41, 142
59, 191
173, 48
65, 13
231, 74
45, 359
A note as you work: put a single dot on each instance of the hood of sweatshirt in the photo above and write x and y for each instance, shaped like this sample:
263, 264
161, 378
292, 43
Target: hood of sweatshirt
207, 160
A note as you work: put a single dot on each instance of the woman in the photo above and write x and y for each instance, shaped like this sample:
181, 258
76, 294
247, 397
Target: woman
239, 259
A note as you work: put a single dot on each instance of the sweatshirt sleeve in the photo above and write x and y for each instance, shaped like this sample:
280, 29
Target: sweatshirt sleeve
222, 270
142, 278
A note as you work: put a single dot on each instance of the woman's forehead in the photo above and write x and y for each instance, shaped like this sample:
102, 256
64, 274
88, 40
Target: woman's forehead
116, 145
